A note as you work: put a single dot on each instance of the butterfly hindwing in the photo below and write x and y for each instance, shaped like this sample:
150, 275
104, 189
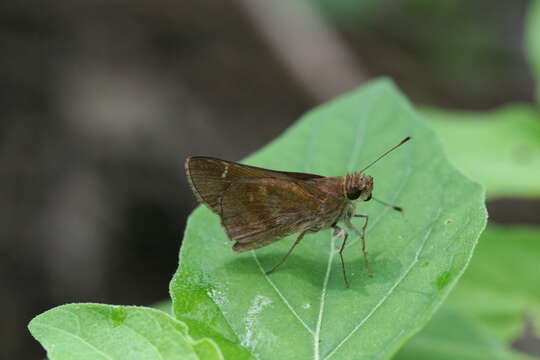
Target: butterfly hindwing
256, 212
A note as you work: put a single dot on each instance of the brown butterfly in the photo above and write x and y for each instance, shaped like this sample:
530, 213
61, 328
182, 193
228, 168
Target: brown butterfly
259, 206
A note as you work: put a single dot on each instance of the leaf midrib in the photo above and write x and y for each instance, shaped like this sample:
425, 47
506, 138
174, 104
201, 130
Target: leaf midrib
358, 141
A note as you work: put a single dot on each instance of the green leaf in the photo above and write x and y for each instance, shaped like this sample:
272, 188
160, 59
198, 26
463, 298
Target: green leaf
94, 331
532, 41
304, 308
500, 149
451, 335
502, 284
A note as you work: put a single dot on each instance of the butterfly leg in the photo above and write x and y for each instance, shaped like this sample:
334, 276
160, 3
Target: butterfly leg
288, 252
362, 235
339, 232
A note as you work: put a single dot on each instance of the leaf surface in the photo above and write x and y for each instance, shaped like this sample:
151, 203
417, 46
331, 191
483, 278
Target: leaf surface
303, 310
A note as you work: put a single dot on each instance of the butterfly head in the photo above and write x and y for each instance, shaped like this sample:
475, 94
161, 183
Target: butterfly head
358, 186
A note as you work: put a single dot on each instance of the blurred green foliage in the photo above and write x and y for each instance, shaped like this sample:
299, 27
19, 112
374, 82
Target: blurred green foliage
500, 149
452, 335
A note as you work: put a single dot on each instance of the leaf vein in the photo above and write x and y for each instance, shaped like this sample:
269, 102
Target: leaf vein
358, 141
316, 339
281, 296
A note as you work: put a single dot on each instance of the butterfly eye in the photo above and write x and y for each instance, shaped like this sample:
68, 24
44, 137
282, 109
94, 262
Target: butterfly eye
354, 194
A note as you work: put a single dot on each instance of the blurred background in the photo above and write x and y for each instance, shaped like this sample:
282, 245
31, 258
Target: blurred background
102, 101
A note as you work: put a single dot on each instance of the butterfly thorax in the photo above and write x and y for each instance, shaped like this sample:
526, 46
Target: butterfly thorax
338, 197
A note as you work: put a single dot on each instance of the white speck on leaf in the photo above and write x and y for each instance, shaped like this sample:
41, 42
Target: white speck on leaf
250, 339
218, 297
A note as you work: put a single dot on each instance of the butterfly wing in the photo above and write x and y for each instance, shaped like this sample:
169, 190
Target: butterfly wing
257, 206
257, 212
210, 177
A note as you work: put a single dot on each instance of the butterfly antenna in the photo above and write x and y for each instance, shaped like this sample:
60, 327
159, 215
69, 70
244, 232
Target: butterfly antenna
386, 153
397, 208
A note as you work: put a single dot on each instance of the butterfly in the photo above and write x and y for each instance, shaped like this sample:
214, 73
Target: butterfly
259, 206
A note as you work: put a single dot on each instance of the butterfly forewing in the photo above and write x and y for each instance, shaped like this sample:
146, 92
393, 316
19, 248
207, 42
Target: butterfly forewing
210, 177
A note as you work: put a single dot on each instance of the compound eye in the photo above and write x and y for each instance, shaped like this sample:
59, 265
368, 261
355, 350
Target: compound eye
353, 195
